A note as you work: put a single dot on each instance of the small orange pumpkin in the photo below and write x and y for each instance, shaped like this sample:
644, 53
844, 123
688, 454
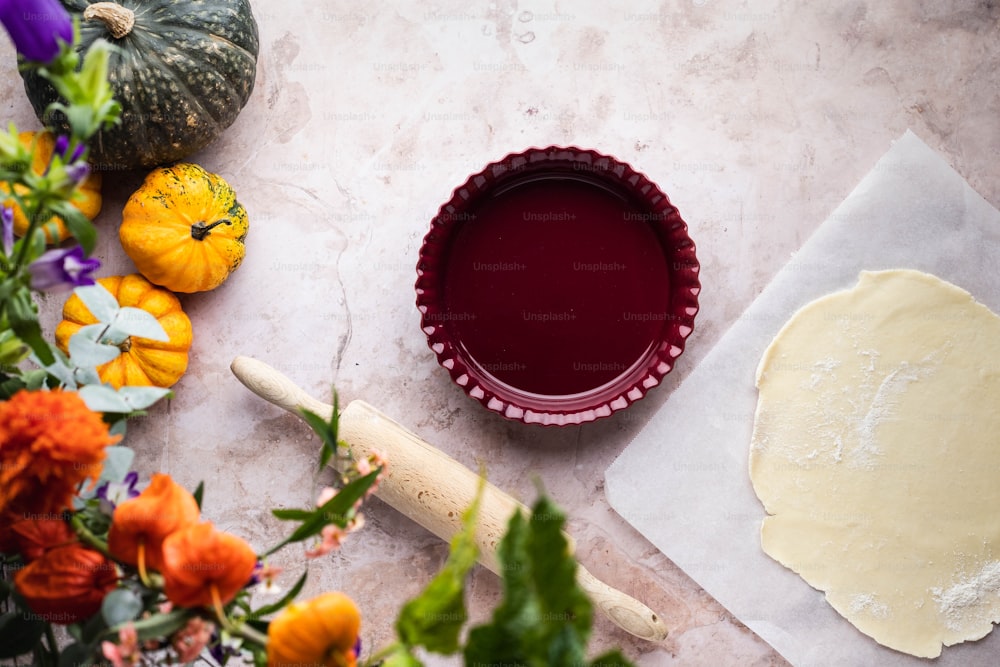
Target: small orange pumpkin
143, 362
88, 199
320, 631
184, 229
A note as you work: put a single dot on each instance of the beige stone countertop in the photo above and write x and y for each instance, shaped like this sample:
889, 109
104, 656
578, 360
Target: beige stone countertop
757, 118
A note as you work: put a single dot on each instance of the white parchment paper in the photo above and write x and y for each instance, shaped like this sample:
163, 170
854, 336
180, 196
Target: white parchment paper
684, 482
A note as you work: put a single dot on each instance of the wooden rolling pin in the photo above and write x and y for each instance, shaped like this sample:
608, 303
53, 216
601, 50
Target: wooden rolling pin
433, 489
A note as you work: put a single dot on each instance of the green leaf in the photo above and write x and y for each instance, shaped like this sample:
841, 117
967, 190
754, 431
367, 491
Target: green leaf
11, 386
76, 655
292, 514
79, 226
434, 619
336, 510
158, 626
285, 599
19, 633
611, 659
545, 616
199, 493
35, 379
92, 629
120, 606
402, 657
23, 317
326, 430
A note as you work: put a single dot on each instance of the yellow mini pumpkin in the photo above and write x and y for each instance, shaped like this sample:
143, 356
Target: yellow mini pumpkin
89, 191
143, 362
184, 229
320, 631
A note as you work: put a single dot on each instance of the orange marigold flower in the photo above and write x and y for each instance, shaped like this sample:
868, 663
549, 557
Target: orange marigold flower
34, 537
67, 584
203, 566
320, 631
139, 525
50, 443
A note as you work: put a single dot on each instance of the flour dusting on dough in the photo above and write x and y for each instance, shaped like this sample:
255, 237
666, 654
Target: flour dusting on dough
866, 602
961, 603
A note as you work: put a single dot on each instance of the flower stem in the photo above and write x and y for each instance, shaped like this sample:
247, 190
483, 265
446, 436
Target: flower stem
50, 639
384, 653
250, 633
238, 629
87, 537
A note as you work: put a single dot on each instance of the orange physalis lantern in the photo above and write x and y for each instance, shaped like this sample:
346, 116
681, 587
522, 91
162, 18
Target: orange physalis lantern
204, 567
139, 525
67, 584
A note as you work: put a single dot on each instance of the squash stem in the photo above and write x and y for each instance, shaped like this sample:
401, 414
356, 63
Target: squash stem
200, 230
119, 20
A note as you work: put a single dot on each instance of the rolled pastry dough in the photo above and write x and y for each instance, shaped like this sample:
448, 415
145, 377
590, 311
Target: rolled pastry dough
876, 455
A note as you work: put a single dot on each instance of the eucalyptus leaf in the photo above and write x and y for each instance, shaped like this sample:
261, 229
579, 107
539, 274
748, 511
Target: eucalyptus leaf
61, 372
92, 332
86, 352
137, 322
102, 398
99, 301
120, 606
140, 398
84, 375
117, 463
119, 428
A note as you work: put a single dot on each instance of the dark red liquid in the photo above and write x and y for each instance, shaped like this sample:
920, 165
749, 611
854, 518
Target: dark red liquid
556, 284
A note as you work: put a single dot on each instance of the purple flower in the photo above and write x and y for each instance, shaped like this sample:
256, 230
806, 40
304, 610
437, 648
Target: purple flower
112, 494
77, 169
77, 172
7, 216
37, 27
62, 269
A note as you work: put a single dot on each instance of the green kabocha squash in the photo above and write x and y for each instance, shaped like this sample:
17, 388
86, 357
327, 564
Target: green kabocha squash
183, 71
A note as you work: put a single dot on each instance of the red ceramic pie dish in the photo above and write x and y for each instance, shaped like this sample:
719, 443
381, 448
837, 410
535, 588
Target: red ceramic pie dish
557, 286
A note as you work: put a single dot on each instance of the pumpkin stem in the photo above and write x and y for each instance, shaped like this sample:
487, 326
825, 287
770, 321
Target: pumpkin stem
200, 230
126, 345
119, 20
